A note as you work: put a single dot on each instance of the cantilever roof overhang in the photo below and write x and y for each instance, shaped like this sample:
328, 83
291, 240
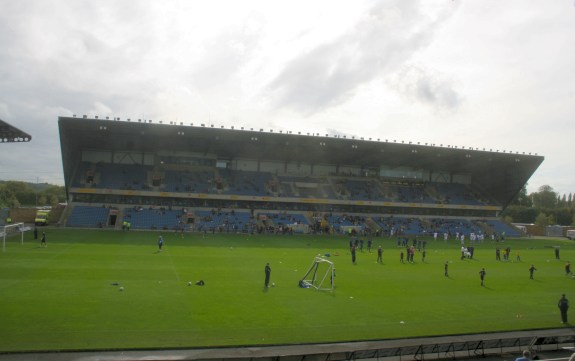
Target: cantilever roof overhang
501, 174
11, 134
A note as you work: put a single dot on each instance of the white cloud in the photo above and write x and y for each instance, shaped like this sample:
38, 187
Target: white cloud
428, 87
387, 35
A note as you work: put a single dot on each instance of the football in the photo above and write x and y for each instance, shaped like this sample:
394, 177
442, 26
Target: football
273, 284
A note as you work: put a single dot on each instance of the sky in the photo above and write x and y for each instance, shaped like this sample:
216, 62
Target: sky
485, 74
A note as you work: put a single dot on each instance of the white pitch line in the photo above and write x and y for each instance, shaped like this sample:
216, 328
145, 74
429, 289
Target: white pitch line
174, 267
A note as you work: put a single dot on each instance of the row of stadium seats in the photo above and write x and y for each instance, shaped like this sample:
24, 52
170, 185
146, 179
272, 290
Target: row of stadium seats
243, 221
251, 183
88, 216
210, 221
161, 218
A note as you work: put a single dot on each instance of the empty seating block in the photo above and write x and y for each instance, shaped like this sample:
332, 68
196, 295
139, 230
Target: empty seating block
87, 216
154, 218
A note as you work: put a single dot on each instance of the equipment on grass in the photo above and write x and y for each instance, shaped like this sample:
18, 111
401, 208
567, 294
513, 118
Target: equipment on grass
11, 230
320, 275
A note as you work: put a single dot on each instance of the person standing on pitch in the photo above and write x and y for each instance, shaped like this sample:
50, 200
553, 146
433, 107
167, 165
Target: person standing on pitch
567, 269
160, 243
531, 270
563, 307
43, 240
379, 254
268, 272
446, 268
482, 275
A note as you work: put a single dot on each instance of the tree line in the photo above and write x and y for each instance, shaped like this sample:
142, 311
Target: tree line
15, 194
544, 207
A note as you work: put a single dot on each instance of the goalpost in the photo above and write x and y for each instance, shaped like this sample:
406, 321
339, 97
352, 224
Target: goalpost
320, 275
11, 230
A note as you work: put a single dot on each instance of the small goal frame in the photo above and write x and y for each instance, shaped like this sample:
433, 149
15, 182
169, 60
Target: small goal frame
324, 280
7, 230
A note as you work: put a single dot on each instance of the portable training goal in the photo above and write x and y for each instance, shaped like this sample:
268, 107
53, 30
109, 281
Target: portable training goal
320, 275
12, 230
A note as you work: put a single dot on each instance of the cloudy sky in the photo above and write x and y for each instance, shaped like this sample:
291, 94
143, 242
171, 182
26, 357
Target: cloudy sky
488, 74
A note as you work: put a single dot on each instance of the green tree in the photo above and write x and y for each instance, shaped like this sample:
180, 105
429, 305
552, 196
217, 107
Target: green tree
546, 197
522, 198
54, 200
520, 214
563, 216
541, 220
55, 191
42, 200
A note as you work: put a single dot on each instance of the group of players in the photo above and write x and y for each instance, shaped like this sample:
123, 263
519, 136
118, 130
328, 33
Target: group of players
356, 244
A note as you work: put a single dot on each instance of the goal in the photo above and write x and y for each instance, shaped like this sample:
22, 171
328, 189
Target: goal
320, 275
12, 230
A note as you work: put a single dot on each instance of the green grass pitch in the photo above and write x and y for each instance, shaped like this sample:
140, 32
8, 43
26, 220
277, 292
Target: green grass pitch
62, 298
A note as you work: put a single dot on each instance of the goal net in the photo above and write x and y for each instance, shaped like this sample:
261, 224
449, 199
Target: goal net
10, 230
320, 275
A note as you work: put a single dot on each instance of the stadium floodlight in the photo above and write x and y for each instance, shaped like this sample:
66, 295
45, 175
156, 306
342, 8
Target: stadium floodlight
320, 275
11, 230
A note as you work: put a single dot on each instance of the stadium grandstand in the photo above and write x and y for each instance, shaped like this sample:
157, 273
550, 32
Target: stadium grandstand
213, 179
11, 134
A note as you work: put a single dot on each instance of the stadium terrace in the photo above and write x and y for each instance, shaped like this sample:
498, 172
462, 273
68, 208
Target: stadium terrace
277, 177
